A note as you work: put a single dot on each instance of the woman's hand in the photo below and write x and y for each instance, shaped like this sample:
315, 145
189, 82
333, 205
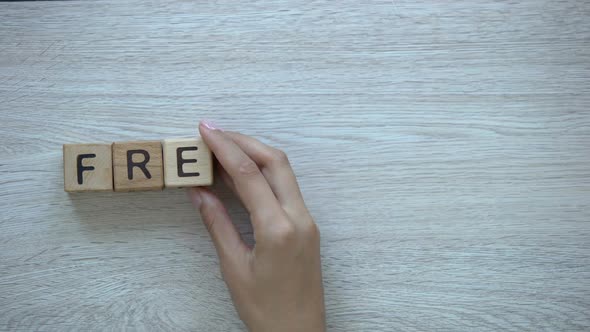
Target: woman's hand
277, 285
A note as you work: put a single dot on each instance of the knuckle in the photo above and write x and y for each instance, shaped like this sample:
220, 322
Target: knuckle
285, 234
211, 208
312, 230
216, 205
248, 168
307, 225
278, 157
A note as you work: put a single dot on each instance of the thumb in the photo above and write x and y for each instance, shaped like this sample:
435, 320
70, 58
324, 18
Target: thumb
226, 238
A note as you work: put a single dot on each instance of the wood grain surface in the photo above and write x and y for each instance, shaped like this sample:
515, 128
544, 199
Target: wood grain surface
442, 146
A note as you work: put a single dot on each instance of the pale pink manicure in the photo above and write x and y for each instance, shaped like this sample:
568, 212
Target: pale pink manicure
210, 125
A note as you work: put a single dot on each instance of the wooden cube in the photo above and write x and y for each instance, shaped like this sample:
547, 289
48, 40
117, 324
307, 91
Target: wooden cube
187, 163
138, 166
87, 167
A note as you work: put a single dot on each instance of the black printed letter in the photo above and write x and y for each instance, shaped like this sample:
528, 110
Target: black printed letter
141, 165
81, 168
181, 161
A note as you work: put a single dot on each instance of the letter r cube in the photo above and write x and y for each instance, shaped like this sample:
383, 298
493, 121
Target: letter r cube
138, 166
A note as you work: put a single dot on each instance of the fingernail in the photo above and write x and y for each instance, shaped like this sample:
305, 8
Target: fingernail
210, 125
195, 197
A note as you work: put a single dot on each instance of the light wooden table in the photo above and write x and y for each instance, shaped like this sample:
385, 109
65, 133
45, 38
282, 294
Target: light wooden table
443, 147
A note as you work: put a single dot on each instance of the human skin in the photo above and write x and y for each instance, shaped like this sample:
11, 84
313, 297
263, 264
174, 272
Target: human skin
277, 284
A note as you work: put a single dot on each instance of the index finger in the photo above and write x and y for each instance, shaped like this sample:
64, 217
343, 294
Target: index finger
251, 186
275, 167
